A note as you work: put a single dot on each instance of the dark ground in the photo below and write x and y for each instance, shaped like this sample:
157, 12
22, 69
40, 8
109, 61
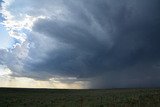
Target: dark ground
14, 97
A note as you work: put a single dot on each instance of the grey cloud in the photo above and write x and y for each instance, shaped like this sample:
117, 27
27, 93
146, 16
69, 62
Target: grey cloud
130, 26
138, 75
3, 54
113, 43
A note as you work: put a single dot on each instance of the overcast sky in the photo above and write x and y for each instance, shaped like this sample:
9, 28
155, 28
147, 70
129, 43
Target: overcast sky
80, 43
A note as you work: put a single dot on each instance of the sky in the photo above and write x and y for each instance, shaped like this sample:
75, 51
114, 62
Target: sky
79, 43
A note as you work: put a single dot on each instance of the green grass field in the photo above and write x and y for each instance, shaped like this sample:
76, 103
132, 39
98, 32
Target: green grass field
10, 97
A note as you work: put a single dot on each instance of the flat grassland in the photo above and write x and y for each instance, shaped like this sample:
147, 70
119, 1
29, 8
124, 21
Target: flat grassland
14, 97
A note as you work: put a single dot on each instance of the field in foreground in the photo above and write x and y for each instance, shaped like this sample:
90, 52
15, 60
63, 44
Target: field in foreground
12, 97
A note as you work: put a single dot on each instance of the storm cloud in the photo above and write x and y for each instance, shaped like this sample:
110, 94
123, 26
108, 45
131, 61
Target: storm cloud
106, 42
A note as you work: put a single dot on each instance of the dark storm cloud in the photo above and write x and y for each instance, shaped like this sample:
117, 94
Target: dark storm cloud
113, 43
128, 37
133, 27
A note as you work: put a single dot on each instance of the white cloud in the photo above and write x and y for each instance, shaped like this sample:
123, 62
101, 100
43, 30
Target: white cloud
5, 71
16, 23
